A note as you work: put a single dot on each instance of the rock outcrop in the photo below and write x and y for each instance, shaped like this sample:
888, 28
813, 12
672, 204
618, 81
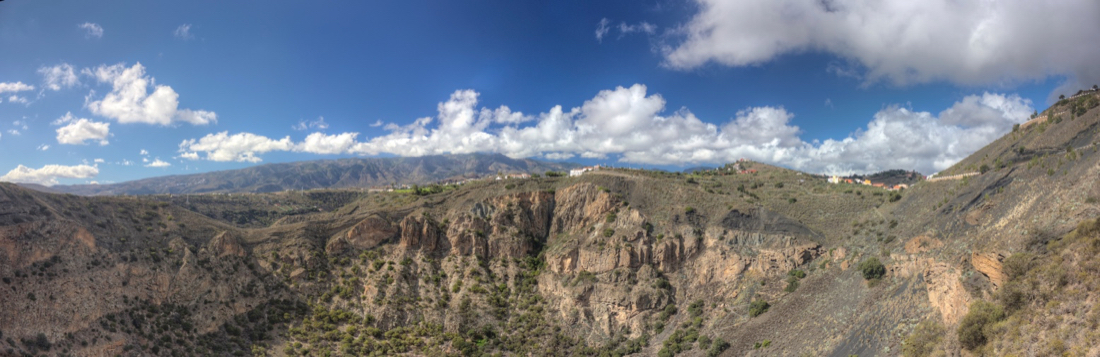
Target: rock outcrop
989, 264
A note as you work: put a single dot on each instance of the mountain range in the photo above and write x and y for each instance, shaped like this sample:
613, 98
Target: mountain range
342, 173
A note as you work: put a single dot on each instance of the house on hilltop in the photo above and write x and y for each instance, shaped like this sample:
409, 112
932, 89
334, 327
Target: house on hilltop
581, 171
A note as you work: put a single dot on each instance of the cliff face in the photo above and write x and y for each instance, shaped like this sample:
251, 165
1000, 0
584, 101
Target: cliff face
607, 269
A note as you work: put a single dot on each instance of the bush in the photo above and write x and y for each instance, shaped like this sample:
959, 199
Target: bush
1012, 296
696, 308
923, 340
972, 328
872, 268
717, 347
758, 307
895, 196
1016, 265
792, 284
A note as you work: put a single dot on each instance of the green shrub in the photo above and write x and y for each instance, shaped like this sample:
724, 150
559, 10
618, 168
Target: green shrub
972, 328
792, 284
923, 340
696, 308
758, 307
872, 268
717, 347
798, 273
608, 232
1016, 265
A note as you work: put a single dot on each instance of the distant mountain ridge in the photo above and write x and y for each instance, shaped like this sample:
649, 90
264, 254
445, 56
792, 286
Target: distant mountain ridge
340, 173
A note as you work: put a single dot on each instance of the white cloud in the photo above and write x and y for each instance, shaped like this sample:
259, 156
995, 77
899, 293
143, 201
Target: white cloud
91, 30
602, 29
377, 123
236, 147
314, 124
99, 161
158, 163
18, 99
43, 147
80, 130
318, 143
143, 152
14, 87
901, 41
130, 101
183, 32
59, 76
48, 175
14, 132
244, 147
628, 123
643, 26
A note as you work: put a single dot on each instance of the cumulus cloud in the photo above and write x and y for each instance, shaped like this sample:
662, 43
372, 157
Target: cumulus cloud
79, 130
244, 147
313, 124
59, 76
143, 152
237, 147
183, 32
48, 175
158, 163
43, 147
631, 125
18, 99
965, 42
91, 30
130, 101
318, 143
14, 87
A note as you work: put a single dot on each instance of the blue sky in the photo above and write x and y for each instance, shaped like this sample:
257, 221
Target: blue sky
110, 92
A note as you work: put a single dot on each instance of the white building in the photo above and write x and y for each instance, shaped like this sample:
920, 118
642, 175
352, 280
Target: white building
581, 171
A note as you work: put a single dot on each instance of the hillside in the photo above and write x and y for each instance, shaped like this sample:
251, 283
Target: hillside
343, 173
615, 262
